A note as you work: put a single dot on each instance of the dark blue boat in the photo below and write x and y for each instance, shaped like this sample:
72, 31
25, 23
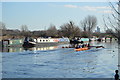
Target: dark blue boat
28, 42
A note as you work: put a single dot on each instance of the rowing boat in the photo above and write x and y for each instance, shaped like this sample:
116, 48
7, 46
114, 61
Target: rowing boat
81, 49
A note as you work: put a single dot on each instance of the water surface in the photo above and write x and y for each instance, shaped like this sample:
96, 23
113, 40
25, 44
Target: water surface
61, 62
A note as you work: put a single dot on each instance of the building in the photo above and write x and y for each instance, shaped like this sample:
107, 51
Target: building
98, 29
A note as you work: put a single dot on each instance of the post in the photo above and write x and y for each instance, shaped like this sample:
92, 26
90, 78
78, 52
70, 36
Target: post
110, 39
105, 39
119, 37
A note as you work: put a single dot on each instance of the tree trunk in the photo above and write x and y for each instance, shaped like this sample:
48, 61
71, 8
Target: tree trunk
119, 54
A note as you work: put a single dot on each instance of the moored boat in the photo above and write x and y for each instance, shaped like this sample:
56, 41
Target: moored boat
28, 42
50, 41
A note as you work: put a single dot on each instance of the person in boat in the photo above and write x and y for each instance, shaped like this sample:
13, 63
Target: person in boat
88, 45
82, 45
79, 46
94, 46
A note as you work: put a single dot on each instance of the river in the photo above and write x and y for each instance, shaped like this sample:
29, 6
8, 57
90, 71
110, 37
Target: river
57, 62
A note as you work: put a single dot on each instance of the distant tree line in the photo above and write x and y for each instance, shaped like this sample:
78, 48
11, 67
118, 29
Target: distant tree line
70, 30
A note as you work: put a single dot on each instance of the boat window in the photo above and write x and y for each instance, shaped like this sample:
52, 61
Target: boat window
40, 40
46, 40
43, 40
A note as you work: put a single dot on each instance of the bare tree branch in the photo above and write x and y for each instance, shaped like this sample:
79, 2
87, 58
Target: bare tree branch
88, 24
70, 30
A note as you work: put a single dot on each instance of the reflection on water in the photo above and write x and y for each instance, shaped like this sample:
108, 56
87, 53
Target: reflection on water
20, 49
41, 48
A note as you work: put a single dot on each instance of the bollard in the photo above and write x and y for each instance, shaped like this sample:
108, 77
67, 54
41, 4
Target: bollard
116, 75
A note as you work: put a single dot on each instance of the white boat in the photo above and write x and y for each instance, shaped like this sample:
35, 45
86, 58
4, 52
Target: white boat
50, 41
46, 40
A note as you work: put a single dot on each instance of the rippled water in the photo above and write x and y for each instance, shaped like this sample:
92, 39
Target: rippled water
62, 63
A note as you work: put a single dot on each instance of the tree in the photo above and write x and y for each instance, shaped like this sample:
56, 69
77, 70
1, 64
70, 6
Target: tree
24, 28
88, 24
70, 30
2, 26
2, 29
24, 31
114, 24
52, 31
113, 21
108, 31
39, 33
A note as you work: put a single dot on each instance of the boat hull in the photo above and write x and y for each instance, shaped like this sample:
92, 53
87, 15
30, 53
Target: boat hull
81, 49
27, 44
